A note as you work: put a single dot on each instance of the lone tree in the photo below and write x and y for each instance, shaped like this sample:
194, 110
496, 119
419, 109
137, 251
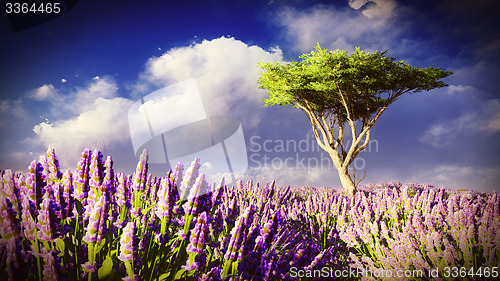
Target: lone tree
335, 89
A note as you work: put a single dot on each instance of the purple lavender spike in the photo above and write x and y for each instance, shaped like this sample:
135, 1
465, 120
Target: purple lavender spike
139, 183
94, 226
81, 175
53, 169
127, 242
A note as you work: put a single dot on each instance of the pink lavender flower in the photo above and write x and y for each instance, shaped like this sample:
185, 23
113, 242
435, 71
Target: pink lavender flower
53, 169
81, 175
199, 188
140, 176
237, 234
94, 226
269, 229
9, 235
47, 219
96, 169
68, 193
189, 178
176, 174
122, 198
108, 187
28, 223
198, 235
127, 242
9, 189
317, 261
165, 203
49, 265
34, 183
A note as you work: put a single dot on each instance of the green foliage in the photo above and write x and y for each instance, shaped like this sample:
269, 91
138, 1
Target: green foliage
366, 81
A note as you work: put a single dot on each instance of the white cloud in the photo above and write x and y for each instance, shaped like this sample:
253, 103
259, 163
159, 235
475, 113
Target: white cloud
226, 72
340, 28
83, 99
375, 9
460, 177
105, 121
79, 119
11, 109
452, 89
44, 92
485, 120
78, 101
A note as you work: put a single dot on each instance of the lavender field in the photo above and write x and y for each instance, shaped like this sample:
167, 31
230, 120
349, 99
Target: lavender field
95, 224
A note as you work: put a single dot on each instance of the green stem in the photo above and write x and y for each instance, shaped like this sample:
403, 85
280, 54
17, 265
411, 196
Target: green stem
91, 257
76, 247
37, 249
130, 270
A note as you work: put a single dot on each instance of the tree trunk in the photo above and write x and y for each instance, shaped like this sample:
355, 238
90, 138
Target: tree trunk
347, 182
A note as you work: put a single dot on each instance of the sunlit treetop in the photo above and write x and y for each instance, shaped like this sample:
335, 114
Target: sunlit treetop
367, 81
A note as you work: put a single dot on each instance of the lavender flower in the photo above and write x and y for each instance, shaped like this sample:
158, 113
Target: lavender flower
245, 232
95, 225
122, 192
194, 249
127, 243
108, 183
139, 182
47, 221
9, 234
68, 193
127, 250
53, 169
189, 178
10, 191
165, 202
28, 223
176, 175
50, 265
81, 175
199, 188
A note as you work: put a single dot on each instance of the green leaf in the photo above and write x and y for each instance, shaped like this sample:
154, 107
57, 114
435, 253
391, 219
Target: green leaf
164, 276
100, 246
60, 245
78, 206
106, 269
179, 274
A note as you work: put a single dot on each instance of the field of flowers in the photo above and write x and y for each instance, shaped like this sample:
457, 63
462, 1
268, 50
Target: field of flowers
93, 224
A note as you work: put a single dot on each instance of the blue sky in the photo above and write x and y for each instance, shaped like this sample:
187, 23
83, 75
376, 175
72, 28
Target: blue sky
70, 83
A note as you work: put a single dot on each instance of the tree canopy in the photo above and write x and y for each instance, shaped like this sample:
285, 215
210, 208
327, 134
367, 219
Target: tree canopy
334, 88
367, 81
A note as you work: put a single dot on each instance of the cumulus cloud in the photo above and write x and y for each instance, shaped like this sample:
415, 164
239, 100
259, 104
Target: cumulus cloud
344, 29
44, 92
458, 89
375, 9
225, 70
87, 116
230, 58
105, 121
83, 99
